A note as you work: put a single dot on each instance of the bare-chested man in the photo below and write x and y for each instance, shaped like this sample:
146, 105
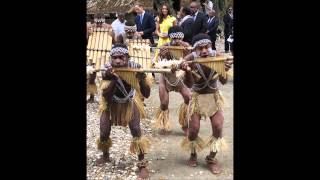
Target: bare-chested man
120, 106
172, 82
206, 101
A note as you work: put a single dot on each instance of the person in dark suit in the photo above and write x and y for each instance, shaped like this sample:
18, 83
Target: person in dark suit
145, 22
185, 23
200, 19
228, 23
213, 23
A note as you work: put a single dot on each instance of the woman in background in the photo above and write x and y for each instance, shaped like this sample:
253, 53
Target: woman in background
163, 22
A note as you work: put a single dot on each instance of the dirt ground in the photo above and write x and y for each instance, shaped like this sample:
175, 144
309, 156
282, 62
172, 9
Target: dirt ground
171, 163
166, 159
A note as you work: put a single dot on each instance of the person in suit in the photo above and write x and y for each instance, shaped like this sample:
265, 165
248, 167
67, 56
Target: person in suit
145, 22
213, 23
228, 23
185, 23
200, 19
230, 41
208, 6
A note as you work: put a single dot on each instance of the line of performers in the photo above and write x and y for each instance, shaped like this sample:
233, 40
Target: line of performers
122, 105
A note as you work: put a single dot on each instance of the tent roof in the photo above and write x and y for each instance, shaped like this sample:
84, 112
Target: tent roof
113, 6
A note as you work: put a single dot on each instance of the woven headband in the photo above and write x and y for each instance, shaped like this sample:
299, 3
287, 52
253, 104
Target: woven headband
130, 28
201, 42
176, 35
118, 50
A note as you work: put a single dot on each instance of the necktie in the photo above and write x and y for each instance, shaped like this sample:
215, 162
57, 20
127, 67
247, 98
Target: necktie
141, 19
194, 17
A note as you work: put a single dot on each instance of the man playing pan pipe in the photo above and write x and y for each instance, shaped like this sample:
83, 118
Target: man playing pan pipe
206, 100
99, 22
120, 106
176, 39
130, 28
91, 85
172, 82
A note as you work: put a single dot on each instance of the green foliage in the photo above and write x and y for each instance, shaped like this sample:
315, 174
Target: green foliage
221, 5
220, 8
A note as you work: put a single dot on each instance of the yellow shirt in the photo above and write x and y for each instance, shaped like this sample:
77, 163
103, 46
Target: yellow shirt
164, 28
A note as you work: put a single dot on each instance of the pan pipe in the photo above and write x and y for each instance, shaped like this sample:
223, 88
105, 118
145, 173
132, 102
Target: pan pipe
177, 52
139, 51
99, 45
172, 64
215, 63
166, 64
129, 74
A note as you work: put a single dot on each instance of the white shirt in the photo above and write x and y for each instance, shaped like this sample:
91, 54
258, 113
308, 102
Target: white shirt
210, 19
118, 27
231, 15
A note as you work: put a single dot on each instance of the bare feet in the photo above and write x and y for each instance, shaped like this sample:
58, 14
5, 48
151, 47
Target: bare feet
164, 132
143, 173
214, 167
185, 130
192, 162
102, 160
